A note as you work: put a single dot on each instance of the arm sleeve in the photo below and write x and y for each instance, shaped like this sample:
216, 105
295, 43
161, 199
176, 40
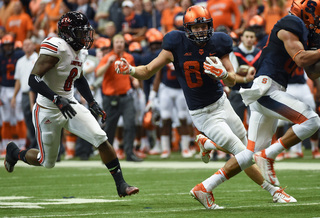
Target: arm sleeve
83, 87
37, 85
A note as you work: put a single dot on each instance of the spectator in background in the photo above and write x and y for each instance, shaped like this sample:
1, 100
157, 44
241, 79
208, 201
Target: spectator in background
258, 25
250, 9
20, 23
178, 19
133, 23
222, 12
274, 10
22, 72
151, 15
245, 64
13, 126
102, 15
6, 11
84, 7
138, 6
116, 15
168, 14
54, 13
109, 30
117, 96
41, 25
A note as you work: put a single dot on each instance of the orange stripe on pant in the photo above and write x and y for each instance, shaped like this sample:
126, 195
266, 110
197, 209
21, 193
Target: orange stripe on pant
38, 135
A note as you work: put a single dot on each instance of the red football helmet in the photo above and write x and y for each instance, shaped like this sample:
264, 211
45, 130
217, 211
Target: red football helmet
308, 11
196, 15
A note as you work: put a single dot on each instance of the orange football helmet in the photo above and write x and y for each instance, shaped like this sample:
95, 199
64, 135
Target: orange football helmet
256, 20
197, 15
102, 42
7, 39
308, 11
135, 47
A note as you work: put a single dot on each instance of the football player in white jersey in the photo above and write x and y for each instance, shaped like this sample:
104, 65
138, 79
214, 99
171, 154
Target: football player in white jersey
57, 71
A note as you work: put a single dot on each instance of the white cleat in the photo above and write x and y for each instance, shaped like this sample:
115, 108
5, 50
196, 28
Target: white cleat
281, 197
266, 167
205, 154
165, 155
205, 198
186, 153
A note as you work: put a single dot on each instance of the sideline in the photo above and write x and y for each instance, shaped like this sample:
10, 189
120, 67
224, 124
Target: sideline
176, 165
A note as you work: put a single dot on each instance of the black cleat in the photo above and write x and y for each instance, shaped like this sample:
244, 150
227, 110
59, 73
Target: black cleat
9, 161
124, 189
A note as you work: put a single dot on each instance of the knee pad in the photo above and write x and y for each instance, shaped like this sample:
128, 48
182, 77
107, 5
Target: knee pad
245, 159
307, 128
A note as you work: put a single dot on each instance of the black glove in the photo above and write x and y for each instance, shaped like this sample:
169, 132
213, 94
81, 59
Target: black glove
64, 105
97, 111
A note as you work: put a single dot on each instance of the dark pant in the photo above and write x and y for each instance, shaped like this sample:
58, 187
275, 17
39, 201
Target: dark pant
115, 106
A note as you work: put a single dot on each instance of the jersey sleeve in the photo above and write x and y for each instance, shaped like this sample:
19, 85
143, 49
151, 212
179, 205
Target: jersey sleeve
292, 24
52, 46
170, 40
222, 43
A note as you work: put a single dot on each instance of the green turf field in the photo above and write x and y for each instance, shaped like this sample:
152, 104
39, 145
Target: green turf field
86, 189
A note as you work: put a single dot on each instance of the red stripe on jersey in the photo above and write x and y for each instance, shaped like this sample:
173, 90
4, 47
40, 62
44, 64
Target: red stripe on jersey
50, 47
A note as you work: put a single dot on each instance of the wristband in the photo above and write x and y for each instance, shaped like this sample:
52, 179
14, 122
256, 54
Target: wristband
132, 71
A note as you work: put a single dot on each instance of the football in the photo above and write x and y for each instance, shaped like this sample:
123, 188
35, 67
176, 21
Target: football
313, 70
243, 70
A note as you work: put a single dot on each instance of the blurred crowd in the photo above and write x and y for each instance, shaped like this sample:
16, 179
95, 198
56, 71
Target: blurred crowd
142, 24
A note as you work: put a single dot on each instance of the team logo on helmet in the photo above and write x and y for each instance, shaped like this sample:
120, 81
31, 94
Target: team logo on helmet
75, 29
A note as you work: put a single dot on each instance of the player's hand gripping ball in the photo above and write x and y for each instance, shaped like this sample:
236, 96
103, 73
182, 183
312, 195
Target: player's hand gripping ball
214, 68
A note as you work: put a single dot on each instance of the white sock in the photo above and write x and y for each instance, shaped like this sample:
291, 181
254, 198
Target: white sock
210, 145
165, 143
185, 139
216, 179
268, 187
314, 145
275, 149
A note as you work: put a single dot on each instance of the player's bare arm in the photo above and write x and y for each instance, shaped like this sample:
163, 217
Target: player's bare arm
146, 71
44, 64
231, 78
295, 49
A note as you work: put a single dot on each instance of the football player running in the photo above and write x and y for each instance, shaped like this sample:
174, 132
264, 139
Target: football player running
287, 48
199, 77
55, 74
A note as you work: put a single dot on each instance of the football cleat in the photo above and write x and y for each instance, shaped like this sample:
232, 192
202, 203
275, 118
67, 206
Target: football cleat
204, 197
165, 154
124, 189
316, 154
266, 167
281, 197
186, 153
9, 161
205, 154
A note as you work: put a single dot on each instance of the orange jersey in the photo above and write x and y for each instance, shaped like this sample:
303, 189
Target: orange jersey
113, 83
53, 11
167, 17
19, 25
272, 15
221, 12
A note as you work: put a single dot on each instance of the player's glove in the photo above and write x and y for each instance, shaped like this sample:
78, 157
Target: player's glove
96, 111
65, 107
123, 67
217, 70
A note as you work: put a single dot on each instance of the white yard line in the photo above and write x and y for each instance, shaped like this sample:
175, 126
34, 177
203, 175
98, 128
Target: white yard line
177, 165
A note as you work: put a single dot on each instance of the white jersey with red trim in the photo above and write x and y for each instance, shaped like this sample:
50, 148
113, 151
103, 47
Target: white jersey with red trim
61, 79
